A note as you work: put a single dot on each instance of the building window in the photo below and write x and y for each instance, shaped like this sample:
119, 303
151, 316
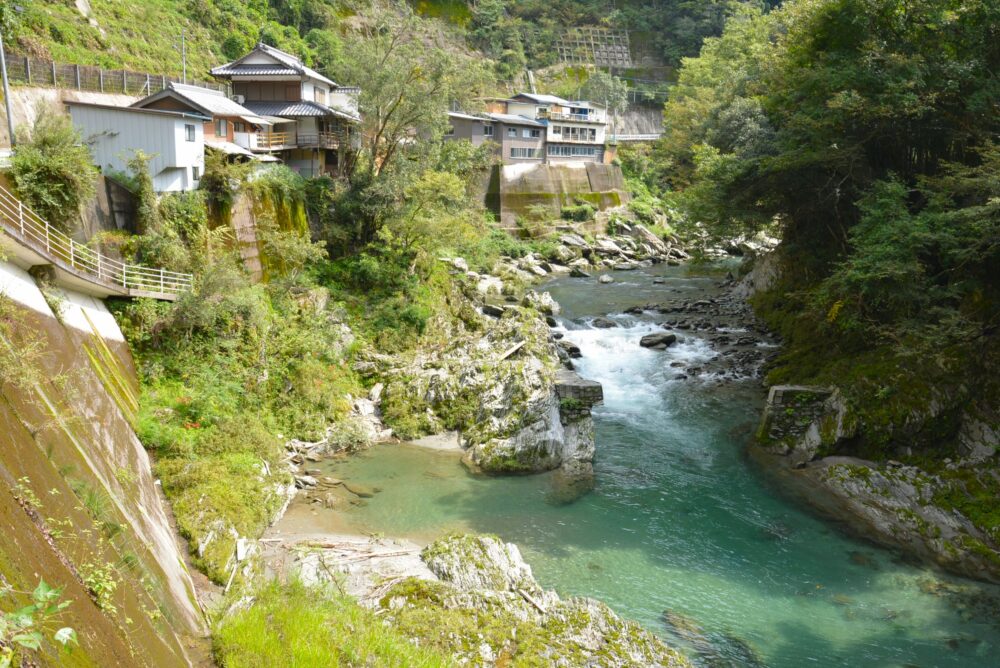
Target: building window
488, 130
239, 127
531, 134
557, 129
512, 133
188, 132
593, 134
572, 151
196, 173
221, 129
516, 152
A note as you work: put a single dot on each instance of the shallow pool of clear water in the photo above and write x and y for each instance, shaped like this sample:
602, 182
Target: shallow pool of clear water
680, 521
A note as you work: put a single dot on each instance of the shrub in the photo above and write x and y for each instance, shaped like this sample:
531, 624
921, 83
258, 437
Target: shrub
580, 213
53, 170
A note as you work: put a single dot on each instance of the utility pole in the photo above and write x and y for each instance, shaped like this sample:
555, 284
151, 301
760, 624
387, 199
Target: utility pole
6, 90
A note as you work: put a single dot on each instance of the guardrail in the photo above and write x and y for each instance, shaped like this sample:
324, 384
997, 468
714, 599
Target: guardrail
30, 229
653, 136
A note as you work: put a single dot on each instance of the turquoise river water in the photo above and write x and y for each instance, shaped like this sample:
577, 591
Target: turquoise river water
680, 520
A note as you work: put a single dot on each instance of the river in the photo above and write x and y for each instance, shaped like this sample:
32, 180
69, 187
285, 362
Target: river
681, 521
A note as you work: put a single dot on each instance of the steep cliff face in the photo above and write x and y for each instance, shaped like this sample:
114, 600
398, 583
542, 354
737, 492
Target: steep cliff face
903, 451
78, 501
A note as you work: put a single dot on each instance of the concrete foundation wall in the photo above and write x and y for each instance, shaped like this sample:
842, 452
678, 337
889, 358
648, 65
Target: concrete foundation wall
517, 190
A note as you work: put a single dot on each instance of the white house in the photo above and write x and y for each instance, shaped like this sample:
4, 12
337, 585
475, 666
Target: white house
174, 139
576, 130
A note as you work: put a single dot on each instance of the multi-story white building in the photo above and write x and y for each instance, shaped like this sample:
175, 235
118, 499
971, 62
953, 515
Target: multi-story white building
548, 129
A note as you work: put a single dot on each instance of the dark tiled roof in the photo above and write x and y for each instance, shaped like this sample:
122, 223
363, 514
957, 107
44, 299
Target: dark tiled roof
299, 109
287, 64
254, 70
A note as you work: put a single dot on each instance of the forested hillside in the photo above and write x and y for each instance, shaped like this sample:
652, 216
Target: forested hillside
145, 34
864, 134
849, 149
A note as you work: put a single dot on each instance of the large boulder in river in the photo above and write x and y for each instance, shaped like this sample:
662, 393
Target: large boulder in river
541, 302
487, 609
658, 341
606, 278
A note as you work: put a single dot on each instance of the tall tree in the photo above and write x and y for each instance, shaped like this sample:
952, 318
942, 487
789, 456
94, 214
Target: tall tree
408, 83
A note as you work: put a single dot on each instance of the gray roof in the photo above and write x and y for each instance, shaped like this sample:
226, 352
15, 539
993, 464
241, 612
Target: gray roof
468, 117
543, 99
513, 119
298, 109
232, 69
135, 110
287, 65
210, 102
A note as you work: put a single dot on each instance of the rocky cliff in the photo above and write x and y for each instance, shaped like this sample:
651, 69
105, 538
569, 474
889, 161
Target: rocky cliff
80, 507
900, 452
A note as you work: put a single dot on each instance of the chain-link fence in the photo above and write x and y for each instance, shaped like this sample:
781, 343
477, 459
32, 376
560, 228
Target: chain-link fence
38, 72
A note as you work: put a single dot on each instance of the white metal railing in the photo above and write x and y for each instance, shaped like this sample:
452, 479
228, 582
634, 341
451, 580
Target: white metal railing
33, 231
652, 136
581, 118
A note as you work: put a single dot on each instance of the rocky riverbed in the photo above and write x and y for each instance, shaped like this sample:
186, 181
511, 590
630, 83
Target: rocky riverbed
933, 511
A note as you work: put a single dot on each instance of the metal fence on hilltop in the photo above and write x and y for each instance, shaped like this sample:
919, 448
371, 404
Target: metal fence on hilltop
39, 72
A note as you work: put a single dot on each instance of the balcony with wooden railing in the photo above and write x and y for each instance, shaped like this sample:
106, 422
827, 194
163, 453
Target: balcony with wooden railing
324, 139
38, 242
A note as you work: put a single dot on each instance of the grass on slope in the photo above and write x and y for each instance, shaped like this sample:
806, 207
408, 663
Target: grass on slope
293, 626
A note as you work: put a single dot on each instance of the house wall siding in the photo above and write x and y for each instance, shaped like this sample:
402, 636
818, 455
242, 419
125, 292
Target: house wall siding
113, 136
474, 131
507, 143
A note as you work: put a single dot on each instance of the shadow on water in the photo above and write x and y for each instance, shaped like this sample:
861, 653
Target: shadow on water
679, 521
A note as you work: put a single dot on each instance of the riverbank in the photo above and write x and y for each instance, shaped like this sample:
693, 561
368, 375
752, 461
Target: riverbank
910, 468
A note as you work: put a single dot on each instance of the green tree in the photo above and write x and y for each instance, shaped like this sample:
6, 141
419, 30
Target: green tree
52, 168
496, 34
408, 81
606, 89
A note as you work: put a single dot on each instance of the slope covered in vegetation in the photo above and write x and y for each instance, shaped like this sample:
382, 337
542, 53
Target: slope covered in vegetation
864, 133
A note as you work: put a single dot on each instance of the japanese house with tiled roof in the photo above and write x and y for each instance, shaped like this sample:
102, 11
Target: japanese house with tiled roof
313, 120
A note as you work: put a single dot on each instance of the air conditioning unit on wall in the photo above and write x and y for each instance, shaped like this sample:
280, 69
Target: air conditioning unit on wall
239, 99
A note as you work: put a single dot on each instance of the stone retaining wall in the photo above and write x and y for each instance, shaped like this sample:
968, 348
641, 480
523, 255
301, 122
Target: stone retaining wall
577, 396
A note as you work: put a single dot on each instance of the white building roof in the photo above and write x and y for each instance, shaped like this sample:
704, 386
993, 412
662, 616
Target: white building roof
543, 99
209, 102
513, 119
136, 110
468, 117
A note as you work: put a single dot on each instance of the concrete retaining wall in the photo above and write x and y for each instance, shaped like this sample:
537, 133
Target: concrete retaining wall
521, 191
67, 411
